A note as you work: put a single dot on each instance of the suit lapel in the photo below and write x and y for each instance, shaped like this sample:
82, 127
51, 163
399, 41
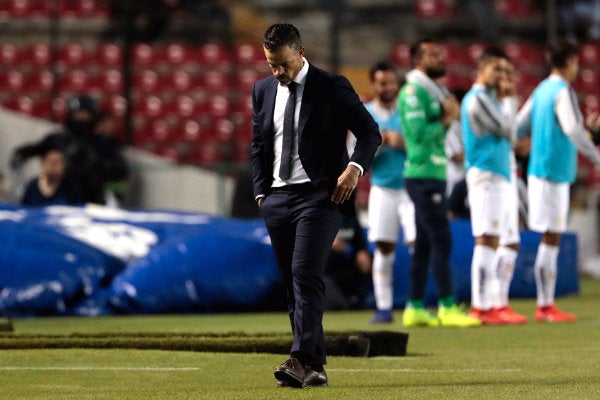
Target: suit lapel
308, 100
269, 105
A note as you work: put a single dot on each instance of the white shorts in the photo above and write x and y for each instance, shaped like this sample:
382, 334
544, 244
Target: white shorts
388, 210
510, 232
488, 199
548, 205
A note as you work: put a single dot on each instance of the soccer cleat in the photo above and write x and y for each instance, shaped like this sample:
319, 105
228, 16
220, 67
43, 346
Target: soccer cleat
552, 314
418, 317
382, 317
487, 317
510, 317
454, 317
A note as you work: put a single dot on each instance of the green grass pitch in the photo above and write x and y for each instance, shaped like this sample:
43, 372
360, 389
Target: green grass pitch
532, 361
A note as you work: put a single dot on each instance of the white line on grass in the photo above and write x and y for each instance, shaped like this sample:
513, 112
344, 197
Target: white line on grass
438, 371
100, 369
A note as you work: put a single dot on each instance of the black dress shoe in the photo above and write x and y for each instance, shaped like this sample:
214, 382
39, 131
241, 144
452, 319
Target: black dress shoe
313, 378
290, 373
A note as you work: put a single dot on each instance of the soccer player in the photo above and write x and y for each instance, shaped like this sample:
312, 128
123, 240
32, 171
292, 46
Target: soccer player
510, 238
487, 134
389, 204
426, 111
553, 118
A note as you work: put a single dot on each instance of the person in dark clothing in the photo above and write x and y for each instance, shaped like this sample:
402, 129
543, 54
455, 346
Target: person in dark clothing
82, 149
51, 187
347, 274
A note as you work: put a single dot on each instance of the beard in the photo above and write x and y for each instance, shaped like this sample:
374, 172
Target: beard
436, 72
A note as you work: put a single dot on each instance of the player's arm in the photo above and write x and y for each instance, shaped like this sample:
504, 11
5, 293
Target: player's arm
453, 145
489, 117
523, 120
571, 122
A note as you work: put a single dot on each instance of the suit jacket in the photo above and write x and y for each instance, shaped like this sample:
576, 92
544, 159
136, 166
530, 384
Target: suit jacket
330, 107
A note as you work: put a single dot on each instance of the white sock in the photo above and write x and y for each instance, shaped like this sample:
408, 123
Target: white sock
545, 273
507, 258
483, 277
383, 275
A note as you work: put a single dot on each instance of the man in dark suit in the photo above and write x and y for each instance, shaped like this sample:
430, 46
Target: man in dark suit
304, 181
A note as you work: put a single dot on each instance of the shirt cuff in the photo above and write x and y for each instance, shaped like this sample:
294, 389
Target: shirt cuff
260, 196
362, 171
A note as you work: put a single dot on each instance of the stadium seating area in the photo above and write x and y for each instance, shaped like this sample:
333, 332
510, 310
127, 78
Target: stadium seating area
191, 102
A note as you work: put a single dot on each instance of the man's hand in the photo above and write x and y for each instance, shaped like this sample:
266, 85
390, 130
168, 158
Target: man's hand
259, 201
393, 139
451, 110
346, 184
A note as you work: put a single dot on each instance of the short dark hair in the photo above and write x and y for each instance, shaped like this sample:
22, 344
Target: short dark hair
558, 53
278, 35
491, 52
381, 66
416, 50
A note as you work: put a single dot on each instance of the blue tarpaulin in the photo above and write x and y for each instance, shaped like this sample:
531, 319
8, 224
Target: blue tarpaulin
94, 260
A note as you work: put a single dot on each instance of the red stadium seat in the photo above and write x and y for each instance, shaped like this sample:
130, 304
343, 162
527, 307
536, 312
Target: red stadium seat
38, 54
178, 54
178, 81
155, 131
12, 81
249, 54
190, 131
22, 104
457, 81
59, 108
242, 152
115, 104
9, 54
516, 8
526, 82
214, 81
207, 153
590, 54
150, 107
245, 79
74, 55
218, 106
525, 54
591, 103
41, 80
455, 54
184, 107
146, 81
588, 81
145, 55
474, 51
108, 54
214, 55
74, 81
20, 8
401, 55
84, 8
434, 9
223, 130
109, 81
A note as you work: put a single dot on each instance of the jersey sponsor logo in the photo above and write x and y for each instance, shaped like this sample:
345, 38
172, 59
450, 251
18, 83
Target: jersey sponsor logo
438, 160
410, 90
415, 114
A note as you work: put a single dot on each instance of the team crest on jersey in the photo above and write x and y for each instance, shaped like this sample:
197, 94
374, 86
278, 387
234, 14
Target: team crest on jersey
412, 101
410, 90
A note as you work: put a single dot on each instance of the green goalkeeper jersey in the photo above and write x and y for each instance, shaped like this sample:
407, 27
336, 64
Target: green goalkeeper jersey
424, 133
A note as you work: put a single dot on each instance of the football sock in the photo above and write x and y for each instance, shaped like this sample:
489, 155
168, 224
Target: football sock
383, 279
507, 258
482, 277
545, 273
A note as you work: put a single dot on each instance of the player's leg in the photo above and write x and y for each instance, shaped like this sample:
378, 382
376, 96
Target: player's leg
507, 256
487, 193
383, 231
548, 209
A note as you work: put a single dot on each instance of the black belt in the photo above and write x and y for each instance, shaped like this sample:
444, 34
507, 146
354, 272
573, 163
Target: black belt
298, 187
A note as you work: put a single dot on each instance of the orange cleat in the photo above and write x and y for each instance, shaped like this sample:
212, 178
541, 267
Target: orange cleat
510, 317
552, 314
487, 317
